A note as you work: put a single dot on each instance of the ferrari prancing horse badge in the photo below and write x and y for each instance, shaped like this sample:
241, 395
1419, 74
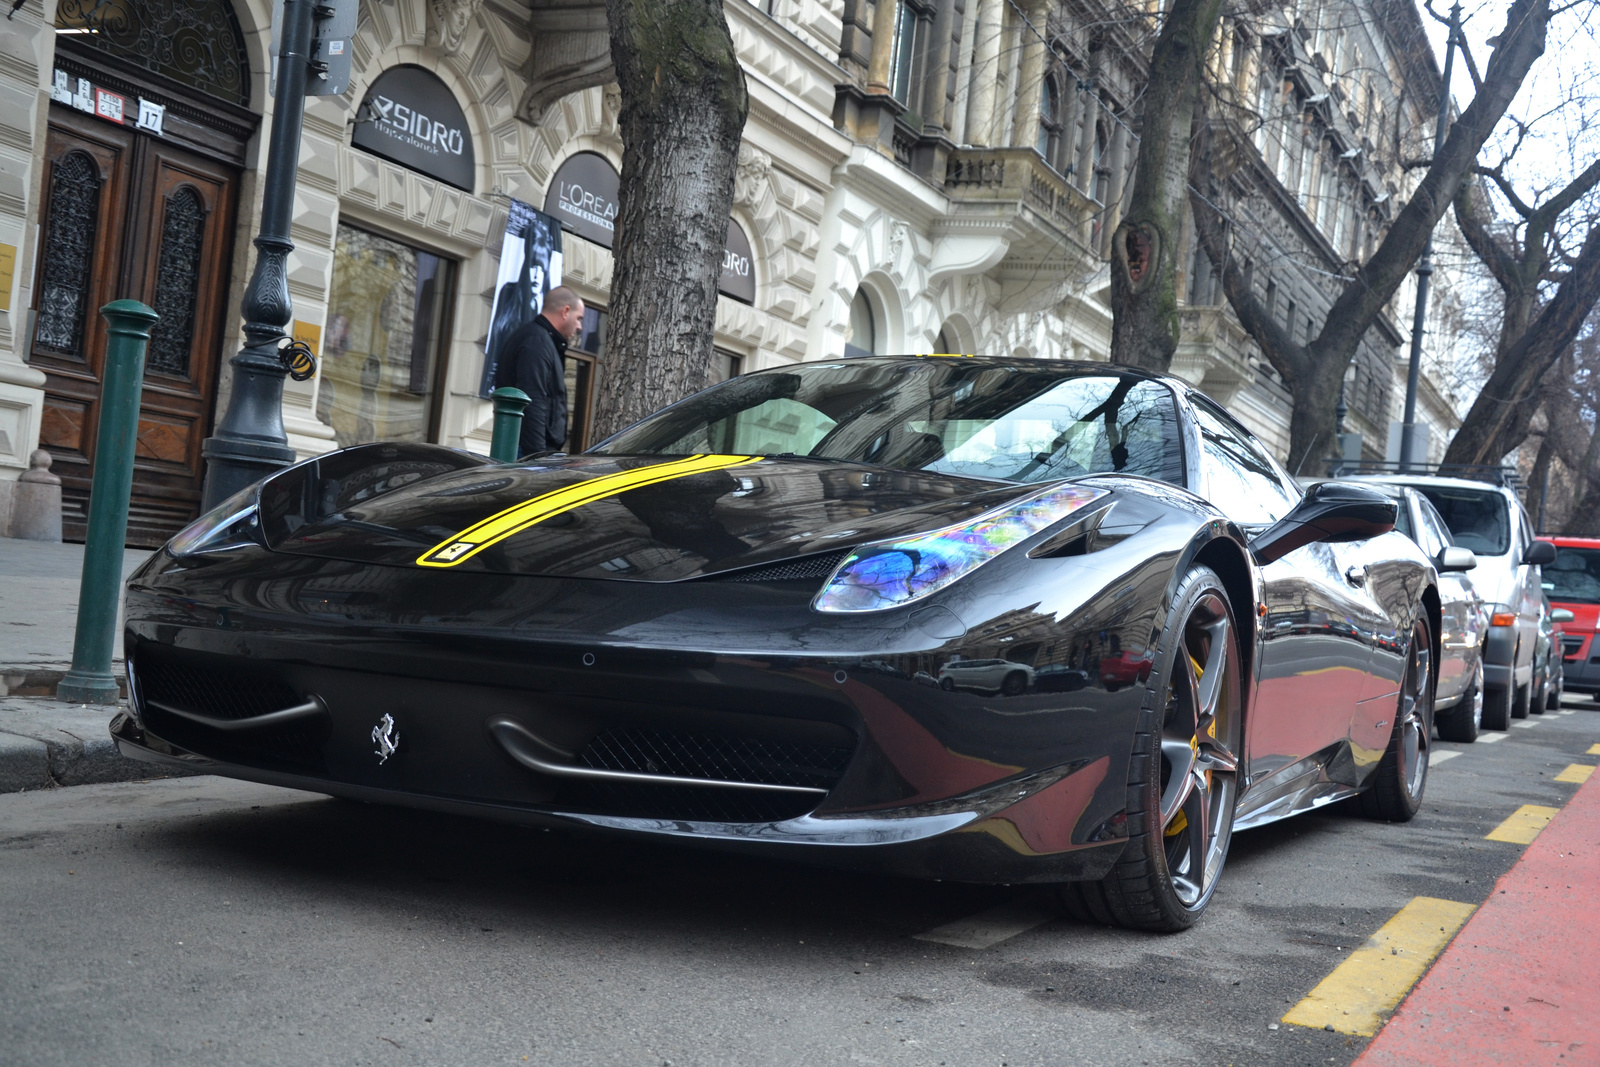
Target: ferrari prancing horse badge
386, 737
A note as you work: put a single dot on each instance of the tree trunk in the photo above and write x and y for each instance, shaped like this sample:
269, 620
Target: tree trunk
683, 111
1144, 250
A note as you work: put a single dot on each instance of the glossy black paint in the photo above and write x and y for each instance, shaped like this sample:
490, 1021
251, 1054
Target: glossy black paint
648, 614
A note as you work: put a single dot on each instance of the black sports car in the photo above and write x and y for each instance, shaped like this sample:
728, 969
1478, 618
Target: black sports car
984, 619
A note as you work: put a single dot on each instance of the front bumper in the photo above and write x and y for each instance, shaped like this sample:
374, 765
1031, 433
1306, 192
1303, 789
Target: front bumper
1016, 787
1582, 669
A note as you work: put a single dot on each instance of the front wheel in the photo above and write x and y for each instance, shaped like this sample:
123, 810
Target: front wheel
1496, 707
1552, 700
1182, 773
1520, 700
1402, 774
1463, 722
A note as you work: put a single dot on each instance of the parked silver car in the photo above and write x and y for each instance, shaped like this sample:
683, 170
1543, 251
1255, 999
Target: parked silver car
1463, 615
1489, 520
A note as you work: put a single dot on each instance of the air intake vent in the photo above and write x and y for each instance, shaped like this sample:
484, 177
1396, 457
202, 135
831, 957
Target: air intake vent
706, 756
806, 567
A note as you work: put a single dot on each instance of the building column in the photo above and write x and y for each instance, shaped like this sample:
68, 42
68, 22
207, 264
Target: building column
985, 73
969, 30
879, 67
1030, 78
1089, 112
936, 86
1118, 165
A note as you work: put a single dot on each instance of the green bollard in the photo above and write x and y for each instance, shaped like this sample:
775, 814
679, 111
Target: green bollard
509, 404
90, 680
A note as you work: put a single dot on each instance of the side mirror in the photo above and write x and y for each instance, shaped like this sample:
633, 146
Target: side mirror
1561, 615
1455, 559
1539, 554
1330, 511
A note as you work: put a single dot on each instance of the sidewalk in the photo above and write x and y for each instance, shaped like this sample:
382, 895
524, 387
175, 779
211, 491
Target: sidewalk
1518, 985
43, 742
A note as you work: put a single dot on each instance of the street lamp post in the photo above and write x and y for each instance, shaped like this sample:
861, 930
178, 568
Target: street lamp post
250, 442
1425, 264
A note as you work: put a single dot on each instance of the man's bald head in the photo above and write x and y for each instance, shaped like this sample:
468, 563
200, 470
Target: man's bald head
564, 309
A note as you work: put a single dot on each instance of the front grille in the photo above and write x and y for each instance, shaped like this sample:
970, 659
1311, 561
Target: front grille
728, 759
220, 690
789, 570
705, 756
224, 688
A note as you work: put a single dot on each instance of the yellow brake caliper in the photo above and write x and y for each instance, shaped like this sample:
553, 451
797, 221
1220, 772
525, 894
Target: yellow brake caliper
1181, 821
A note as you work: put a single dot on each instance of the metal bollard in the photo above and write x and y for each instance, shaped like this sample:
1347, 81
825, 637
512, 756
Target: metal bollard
509, 404
90, 680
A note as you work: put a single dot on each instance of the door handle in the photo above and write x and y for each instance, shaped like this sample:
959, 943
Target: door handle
1356, 575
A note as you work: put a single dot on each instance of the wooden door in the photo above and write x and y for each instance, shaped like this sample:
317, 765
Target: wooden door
129, 215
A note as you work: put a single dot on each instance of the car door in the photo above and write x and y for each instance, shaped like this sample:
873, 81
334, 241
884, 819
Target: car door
1314, 656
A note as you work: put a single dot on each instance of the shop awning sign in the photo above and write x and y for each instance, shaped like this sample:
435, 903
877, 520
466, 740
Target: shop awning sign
412, 118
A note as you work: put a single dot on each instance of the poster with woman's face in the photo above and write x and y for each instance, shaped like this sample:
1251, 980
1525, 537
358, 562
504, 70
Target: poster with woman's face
530, 266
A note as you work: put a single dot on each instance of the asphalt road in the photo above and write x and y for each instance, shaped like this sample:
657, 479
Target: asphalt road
204, 921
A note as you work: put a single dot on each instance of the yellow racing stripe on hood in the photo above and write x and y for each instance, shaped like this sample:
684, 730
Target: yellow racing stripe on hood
519, 517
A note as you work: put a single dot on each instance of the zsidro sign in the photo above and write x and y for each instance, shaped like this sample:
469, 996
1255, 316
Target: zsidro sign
583, 195
411, 117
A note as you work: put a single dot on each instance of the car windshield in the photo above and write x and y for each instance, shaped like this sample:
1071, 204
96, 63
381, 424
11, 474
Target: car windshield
983, 420
1478, 519
1574, 576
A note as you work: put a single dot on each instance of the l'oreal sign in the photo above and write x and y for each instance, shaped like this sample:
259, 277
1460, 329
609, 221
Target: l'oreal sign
411, 117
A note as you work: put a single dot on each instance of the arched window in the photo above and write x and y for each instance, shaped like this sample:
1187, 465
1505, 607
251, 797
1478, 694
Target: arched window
863, 337
947, 343
1050, 121
198, 42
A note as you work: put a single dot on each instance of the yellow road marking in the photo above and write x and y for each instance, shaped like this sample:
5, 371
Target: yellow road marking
519, 517
1361, 992
1594, 750
1576, 773
1523, 826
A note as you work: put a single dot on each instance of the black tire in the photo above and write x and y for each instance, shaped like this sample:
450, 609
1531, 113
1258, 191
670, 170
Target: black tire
1520, 699
1463, 722
1538, 691
1395, 793
1496, 707
1552, 698
1014, 683
1182, 772
948, 685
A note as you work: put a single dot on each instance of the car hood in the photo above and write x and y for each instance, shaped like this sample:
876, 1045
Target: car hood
639, 518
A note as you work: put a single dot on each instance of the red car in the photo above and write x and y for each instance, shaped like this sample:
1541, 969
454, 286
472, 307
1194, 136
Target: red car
1573, 582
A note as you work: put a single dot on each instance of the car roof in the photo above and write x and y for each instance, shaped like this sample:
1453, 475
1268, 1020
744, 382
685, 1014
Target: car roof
1429, 480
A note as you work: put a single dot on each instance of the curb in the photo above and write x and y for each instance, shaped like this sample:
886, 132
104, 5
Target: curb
43, 681
45, 744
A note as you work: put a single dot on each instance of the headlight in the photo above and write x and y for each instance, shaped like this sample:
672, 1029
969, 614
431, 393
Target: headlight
888, 574
231, 524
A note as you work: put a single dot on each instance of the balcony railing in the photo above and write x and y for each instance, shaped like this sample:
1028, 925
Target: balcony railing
1019, 176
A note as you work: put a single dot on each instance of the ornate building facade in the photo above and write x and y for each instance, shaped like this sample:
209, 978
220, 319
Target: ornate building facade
916, 175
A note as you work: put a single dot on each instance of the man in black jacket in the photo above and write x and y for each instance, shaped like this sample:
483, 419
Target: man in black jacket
530, 360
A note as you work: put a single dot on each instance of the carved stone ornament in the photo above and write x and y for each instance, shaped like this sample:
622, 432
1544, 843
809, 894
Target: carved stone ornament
450, 19
751, 177
610, 106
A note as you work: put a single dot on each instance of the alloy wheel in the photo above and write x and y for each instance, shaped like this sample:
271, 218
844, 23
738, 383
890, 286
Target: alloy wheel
1416, 711
1199, 745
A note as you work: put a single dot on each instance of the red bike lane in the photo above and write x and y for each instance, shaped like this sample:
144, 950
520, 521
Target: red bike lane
1520, 984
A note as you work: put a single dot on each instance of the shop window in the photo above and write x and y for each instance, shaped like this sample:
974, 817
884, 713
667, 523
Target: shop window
863, 337
383, 350
724, 365
582, 366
